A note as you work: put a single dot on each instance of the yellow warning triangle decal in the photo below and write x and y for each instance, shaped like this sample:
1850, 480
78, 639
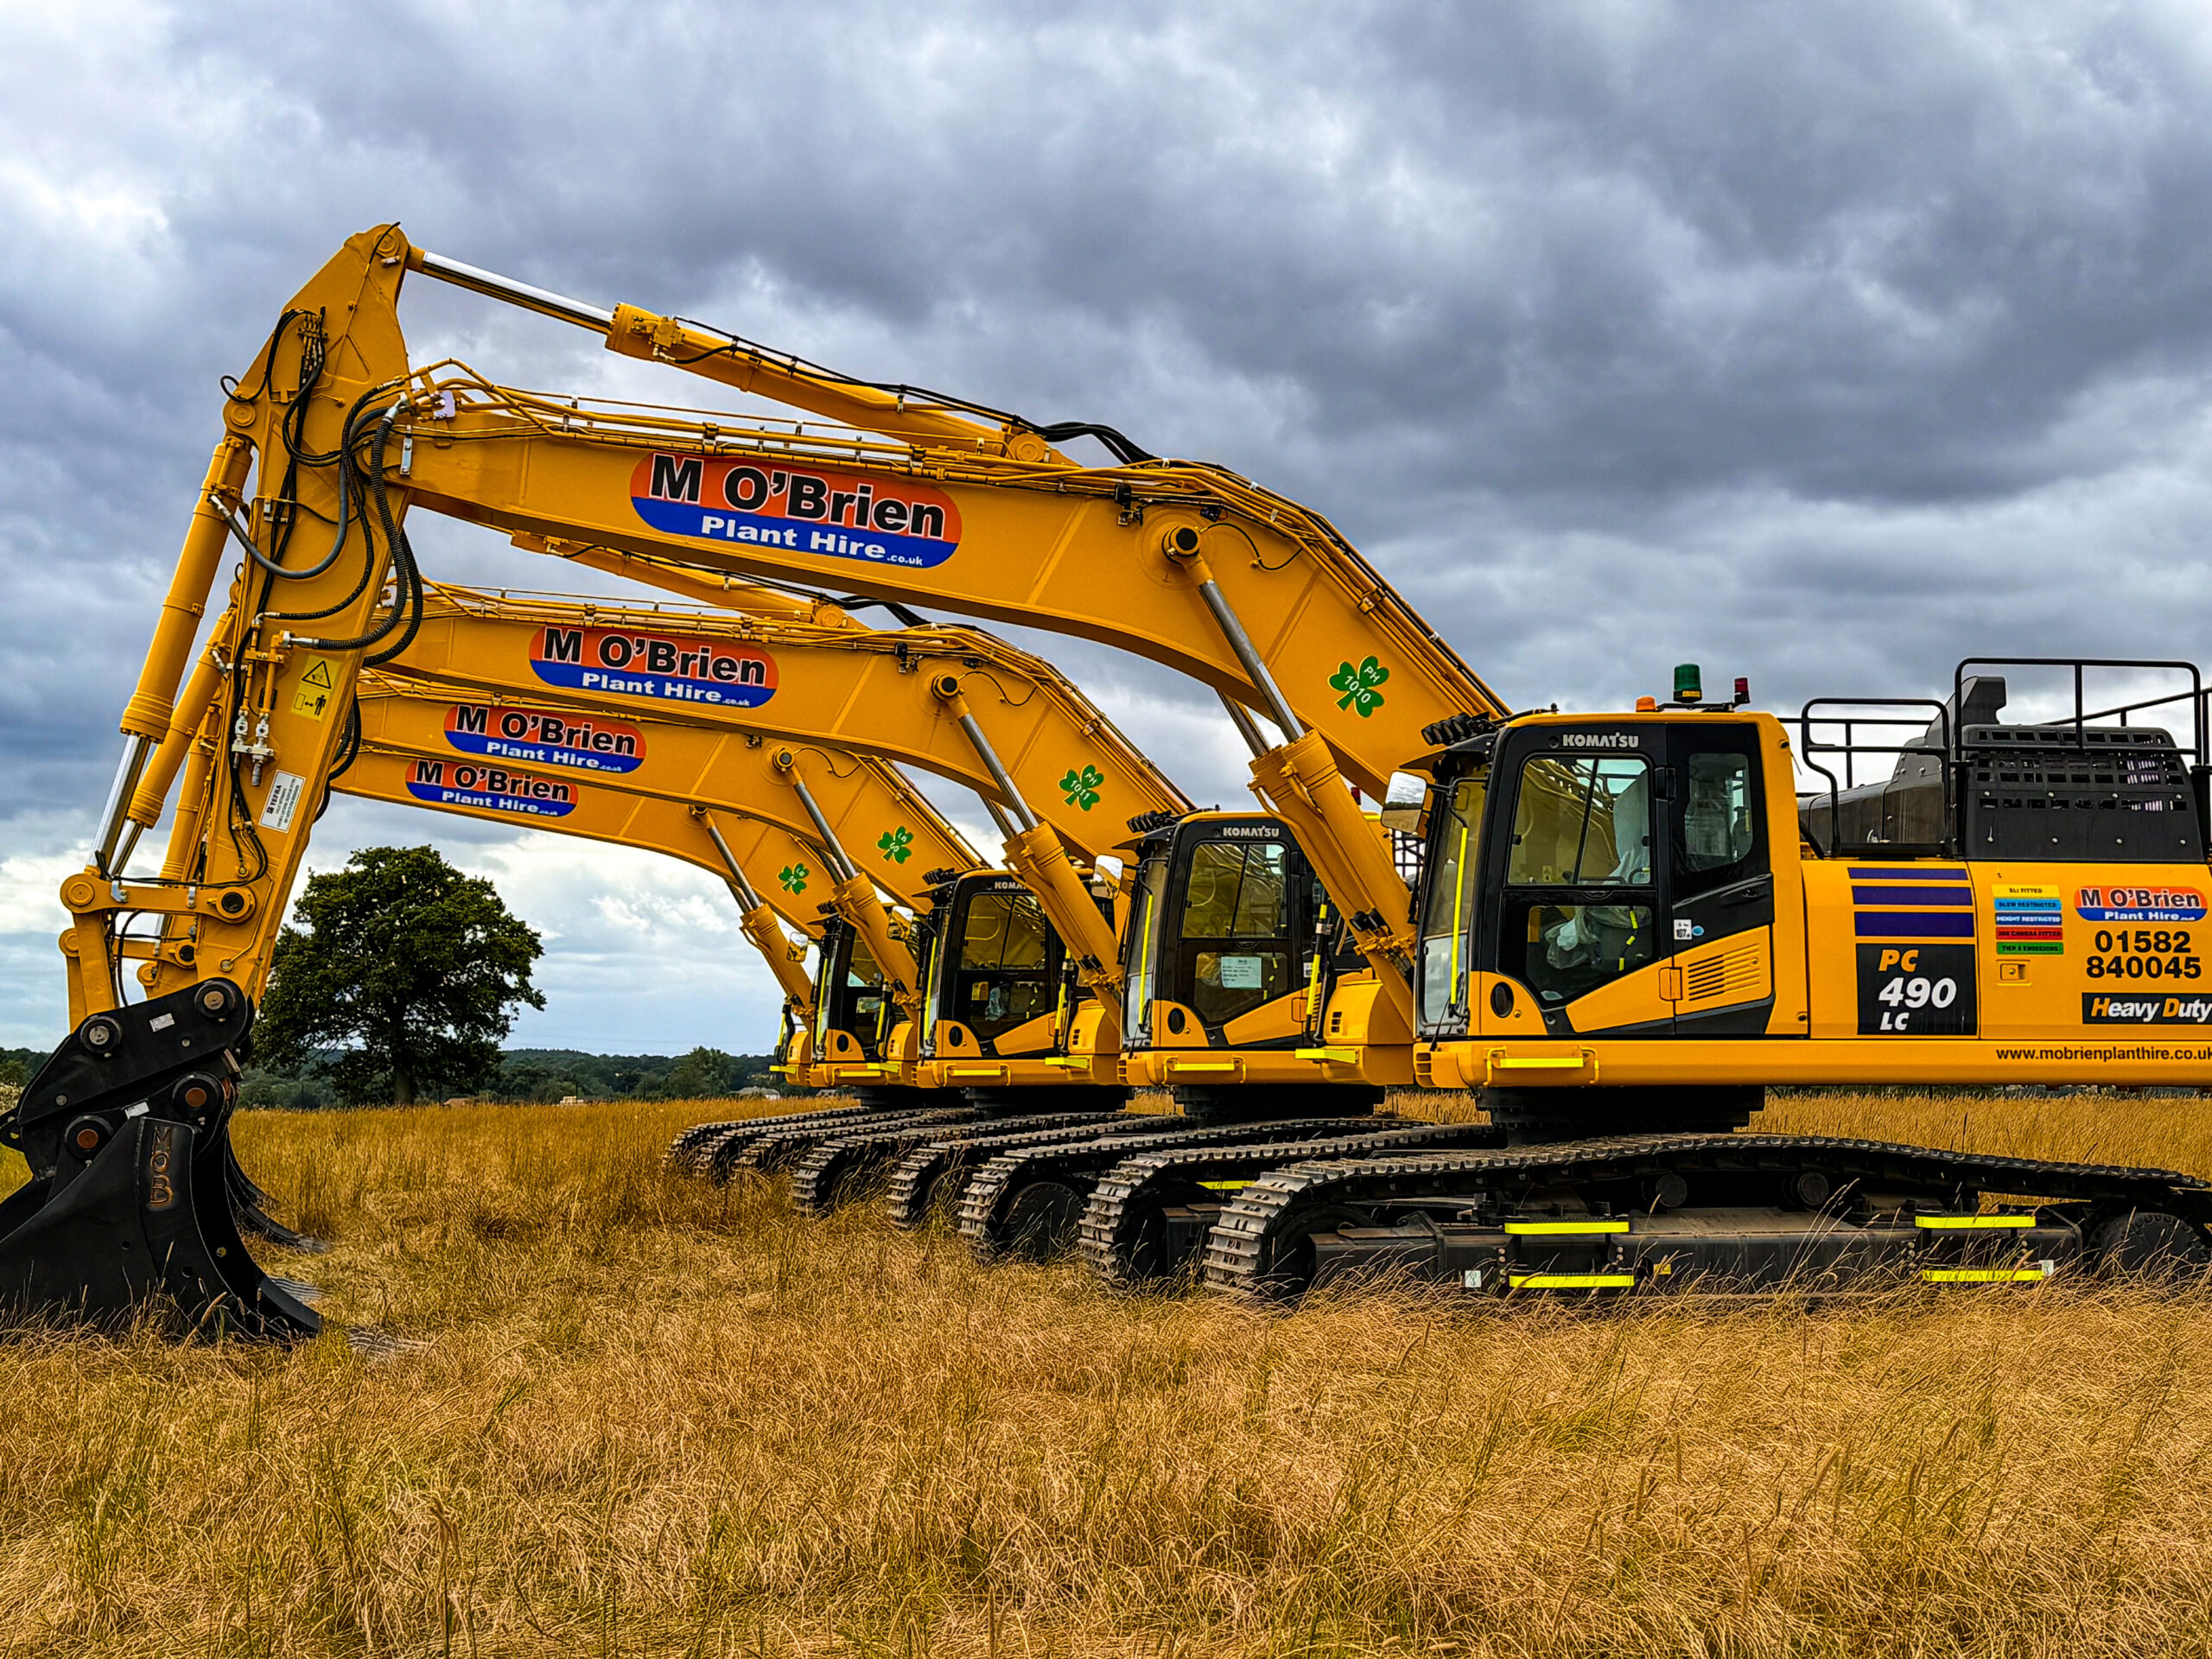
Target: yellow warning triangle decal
318, 674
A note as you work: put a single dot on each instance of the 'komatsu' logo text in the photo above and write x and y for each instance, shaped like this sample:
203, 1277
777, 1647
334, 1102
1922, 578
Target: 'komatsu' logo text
1600, 741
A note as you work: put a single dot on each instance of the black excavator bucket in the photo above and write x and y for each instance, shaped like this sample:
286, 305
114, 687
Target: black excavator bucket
128, 1209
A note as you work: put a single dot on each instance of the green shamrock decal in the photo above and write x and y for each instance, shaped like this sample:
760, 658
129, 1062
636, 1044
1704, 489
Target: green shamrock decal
793, 876
897, 845
1082, 787
1358, 685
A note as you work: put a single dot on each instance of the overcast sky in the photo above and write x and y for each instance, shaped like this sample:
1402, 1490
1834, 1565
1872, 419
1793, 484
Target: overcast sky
1822, 343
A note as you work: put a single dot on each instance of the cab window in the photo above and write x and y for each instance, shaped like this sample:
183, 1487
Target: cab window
1145, 906
1448, 906
1236, 888
1582, 823
1568, 950
1236, 927
1003, 979
1717, 825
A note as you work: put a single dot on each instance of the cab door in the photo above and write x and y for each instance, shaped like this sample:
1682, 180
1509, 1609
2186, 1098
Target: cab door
1720, 880
1574, 922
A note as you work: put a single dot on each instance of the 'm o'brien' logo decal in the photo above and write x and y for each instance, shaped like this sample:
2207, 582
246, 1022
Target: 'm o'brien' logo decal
2139, 904
544, 738
672, 667
876, 520
491, 789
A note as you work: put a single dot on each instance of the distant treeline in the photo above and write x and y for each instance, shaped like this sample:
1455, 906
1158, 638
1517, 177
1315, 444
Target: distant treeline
524, 1074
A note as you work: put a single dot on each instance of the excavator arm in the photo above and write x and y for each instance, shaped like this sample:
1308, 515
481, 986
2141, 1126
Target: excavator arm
1187, 563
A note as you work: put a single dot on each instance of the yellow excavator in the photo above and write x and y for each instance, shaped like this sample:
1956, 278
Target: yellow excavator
1620, 937
1002, 999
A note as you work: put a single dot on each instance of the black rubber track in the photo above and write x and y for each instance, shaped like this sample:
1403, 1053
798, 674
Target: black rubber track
984, 1202
1241, 1247
778, 1149
1113, 1232
837, 1171
693, 1149
918, 1176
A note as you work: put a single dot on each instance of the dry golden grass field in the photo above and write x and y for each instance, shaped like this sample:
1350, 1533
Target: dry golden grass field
651, 1418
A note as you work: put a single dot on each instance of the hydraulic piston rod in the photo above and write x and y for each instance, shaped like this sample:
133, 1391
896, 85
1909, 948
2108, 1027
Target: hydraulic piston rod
842, 866
739, 885
541, 301
1247, 728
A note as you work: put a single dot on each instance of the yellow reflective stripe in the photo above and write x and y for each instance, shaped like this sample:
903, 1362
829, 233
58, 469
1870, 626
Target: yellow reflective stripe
1225, 1187
1952, 1223
1541, 1228
1982, 1275
1334, 1056
1141, 993
1572, 1280
975, 1070
1202, 1066
1538, 1062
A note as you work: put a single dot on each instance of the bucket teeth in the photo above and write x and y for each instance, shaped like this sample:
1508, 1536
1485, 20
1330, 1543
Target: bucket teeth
249, 1209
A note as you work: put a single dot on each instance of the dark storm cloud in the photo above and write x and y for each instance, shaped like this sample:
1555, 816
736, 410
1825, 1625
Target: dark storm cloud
1821, 342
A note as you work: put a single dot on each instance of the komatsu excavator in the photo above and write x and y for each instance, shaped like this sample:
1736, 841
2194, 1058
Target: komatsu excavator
1566, 979
692, 787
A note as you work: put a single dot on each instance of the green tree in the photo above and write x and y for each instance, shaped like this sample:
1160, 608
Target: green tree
410, 968
702, 1074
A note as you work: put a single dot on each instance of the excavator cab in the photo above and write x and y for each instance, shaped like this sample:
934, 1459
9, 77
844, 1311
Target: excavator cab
995, 972
1601, 875
1001, 996
1231, 944
856, 1005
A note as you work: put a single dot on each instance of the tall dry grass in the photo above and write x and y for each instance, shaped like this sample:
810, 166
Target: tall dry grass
655, 1418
